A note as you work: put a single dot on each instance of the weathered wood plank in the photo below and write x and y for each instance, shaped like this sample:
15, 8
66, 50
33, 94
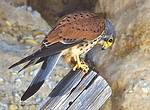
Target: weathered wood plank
100, 100
89, 95
78, 91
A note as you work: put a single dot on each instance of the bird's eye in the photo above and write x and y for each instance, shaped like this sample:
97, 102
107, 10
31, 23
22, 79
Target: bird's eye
110, 40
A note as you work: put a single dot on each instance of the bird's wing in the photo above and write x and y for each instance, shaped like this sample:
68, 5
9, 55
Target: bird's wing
79, 26
73, 17
46, 69
46, 51
32, 62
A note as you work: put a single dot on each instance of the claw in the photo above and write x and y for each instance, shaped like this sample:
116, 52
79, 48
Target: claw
81, 66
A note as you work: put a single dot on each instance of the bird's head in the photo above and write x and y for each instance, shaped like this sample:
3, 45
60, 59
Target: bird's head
108, 36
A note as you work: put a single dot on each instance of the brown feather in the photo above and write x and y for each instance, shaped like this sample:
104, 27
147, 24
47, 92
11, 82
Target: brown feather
76, 26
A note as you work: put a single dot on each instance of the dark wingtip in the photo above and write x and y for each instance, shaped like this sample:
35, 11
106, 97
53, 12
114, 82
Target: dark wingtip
11, 66
15, 64
31, 91
20, 70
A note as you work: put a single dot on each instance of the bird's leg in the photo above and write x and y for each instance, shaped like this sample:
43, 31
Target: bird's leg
80, 65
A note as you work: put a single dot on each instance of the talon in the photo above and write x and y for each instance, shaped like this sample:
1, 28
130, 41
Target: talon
75, 68
82, 66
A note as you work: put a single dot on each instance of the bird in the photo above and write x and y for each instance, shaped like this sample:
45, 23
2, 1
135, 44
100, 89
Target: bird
73, 34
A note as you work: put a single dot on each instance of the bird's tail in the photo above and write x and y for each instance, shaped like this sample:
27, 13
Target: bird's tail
47, 68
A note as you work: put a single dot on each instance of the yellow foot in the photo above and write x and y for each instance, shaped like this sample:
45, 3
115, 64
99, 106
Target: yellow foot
82, 66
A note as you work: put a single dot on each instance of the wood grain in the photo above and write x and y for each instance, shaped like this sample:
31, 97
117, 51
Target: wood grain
78, 91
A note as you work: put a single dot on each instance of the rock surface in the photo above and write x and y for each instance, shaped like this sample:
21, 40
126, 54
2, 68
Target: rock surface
126, 66
57, 8
21, 31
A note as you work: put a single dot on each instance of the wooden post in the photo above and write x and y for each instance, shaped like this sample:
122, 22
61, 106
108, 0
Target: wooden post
78, 91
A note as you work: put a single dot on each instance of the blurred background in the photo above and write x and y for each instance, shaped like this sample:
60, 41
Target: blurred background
126, 66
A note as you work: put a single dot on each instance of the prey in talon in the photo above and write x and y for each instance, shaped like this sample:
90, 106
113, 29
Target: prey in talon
72, 36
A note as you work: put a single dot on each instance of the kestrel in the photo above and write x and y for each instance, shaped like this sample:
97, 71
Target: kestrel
74, 34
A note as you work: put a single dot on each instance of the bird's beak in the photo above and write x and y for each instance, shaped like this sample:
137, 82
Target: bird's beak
103, 42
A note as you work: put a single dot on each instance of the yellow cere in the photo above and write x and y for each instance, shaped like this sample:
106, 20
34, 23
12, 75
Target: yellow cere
106, 43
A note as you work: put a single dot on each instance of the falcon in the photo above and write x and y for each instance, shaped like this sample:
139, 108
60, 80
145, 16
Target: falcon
74, 35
